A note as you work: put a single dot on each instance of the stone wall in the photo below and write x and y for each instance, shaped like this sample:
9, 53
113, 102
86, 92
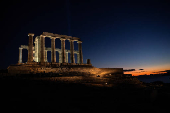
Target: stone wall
18, 70
79, 70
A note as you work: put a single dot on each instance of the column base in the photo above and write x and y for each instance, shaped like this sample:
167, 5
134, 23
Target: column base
64, 63
72, 63
19, 63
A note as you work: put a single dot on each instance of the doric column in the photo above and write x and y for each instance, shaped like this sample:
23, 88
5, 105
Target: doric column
39, 48
53, 53
36, 42
60, 59
63, 50
42, 38
72, 51
33, 54
78, 58
66, 57
80, 51
46, 56
20, 55
30, 47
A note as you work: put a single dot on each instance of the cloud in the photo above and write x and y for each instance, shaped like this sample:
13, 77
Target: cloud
159, 72
128, 70
168, 71
154, 72
141, 69
162, 71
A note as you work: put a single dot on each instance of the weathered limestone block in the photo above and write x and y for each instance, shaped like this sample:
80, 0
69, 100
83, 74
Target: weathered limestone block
14, 69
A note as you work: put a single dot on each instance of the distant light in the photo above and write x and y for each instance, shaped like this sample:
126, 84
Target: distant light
106, 82
98, 75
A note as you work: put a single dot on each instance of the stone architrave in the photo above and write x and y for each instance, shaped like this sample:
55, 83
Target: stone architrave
72, 51
20, 55
30, 47
80, 52
63, 50
53, 52
42, 48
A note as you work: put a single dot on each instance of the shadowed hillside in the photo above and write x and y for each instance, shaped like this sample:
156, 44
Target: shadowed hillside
27, 94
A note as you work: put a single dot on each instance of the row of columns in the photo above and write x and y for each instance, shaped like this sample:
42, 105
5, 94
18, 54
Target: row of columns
53, 53
20, 56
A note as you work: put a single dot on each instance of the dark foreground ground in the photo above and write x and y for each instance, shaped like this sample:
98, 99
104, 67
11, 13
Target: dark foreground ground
25, 95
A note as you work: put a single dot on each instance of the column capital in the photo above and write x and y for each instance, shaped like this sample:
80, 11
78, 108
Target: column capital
42, 36
79, 41
20, 48
62, 39
71, 40
30, 34
53, 38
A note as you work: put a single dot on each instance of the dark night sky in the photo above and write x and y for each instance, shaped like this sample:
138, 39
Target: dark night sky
131, 34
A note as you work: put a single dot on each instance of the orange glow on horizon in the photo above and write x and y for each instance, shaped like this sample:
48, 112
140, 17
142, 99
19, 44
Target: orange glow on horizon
137, 73
149, 70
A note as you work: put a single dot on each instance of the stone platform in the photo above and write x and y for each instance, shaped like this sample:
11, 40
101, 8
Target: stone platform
64, 68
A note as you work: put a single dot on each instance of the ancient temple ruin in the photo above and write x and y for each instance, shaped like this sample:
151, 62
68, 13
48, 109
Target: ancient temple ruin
37, 58
38, 53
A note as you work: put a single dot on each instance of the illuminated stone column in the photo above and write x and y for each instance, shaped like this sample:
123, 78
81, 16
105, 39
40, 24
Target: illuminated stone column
33, 54
36, 50
63, 50
53, 52
72, 51
60, 59
78, 58
20, 55
66, 57
42, 38
30, 47
80, 52
46, 56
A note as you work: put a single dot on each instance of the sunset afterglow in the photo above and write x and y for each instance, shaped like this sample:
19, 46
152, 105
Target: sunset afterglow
150, 70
